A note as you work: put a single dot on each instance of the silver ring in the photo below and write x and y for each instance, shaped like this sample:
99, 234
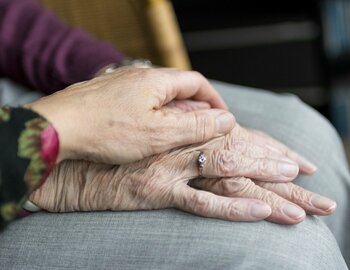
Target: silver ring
201, 161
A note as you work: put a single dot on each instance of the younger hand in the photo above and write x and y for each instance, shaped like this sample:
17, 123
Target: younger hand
120, 117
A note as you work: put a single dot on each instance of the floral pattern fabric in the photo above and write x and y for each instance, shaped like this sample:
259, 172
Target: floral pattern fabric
28, 152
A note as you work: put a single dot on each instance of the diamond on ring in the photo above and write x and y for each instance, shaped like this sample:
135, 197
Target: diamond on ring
201, 161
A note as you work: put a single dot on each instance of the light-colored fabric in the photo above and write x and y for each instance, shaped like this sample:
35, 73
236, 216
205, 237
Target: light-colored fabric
171, 239
13, 94
303, 129
164, 239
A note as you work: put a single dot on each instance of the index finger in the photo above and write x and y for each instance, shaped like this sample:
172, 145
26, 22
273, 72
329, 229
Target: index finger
191, 85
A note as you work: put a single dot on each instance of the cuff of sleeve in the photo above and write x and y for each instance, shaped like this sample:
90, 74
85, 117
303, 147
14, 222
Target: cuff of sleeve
30, 147
39, 144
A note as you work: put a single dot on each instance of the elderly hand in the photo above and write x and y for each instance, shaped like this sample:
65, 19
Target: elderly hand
120, 117
287, 200
248, 141
161, 182
155, 183
259, 145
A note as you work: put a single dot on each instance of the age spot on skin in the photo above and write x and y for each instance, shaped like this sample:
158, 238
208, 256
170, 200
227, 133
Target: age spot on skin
111, 123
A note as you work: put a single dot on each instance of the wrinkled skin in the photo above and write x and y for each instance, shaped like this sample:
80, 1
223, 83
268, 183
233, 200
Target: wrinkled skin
171, 179
119, 117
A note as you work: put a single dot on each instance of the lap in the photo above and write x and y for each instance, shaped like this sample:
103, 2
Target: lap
304, 130
164, 239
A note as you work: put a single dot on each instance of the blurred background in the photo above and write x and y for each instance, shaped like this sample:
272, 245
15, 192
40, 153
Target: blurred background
302, 47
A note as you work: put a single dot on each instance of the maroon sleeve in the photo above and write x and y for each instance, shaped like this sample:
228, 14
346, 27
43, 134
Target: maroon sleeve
40, 51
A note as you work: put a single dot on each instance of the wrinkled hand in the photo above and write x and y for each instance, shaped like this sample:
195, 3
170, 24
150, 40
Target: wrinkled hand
251, 143
253, 154
161, 182
288, 201
268, 160
155, 183
120, 117
266, 141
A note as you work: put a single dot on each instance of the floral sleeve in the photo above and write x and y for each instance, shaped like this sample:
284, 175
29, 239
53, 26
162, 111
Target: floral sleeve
28, 151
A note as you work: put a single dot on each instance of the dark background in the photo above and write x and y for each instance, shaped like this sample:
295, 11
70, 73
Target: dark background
275, 45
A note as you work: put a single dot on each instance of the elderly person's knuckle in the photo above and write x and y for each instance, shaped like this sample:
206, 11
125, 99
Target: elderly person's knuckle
264, 167
224, 163
236, 186
268, 197
204, 127
234, 210
298, 195
258, 192
265, 195
199, 203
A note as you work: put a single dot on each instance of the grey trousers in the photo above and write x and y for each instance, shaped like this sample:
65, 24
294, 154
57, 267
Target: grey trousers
172, 239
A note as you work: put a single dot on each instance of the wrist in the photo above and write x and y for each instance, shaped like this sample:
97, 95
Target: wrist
64, 189
43, 108
77, 185
141, 63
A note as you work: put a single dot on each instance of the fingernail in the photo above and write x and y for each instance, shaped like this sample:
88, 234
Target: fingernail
288, 169
260, 210
293, 211
311, 168
323, 203
224, 122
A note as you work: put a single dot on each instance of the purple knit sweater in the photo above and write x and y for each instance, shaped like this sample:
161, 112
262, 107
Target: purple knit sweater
39, 51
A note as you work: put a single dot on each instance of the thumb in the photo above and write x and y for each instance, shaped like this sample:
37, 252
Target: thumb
200, 126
